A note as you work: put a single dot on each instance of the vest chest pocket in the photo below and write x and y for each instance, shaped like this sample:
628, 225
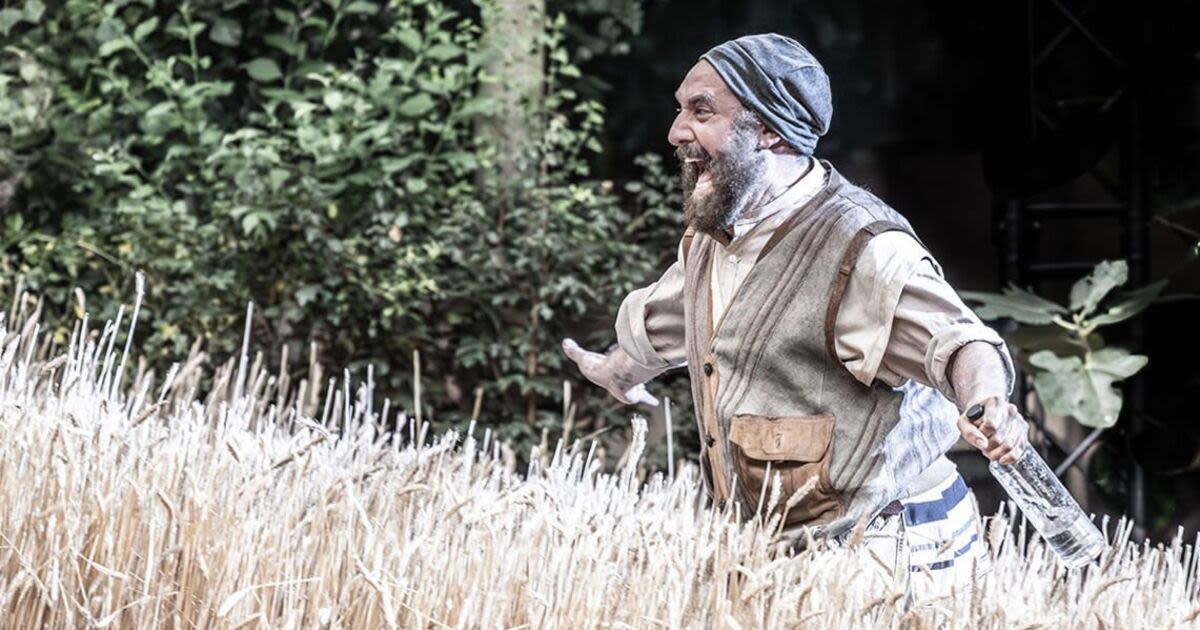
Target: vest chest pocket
799, 448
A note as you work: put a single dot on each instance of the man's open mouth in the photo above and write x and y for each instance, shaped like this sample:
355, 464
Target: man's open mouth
701, 167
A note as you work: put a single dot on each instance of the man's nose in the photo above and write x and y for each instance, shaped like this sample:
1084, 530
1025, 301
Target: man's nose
679, 132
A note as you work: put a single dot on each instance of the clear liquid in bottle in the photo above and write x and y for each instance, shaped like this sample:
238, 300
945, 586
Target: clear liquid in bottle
1052, 510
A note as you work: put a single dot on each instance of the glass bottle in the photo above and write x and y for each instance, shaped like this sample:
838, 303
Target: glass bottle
1052, 510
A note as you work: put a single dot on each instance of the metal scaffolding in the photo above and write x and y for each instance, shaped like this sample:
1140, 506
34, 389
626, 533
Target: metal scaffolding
1080, 75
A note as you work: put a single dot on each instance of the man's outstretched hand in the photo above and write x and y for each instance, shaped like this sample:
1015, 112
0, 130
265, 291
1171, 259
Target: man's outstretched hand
615, 372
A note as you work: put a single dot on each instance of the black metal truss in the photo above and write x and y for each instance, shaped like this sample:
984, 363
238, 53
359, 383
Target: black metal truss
1056, 97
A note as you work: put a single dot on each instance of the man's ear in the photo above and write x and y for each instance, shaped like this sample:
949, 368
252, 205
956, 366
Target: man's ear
768, 139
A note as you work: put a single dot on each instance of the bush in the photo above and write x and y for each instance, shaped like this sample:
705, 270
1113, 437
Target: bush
322, 161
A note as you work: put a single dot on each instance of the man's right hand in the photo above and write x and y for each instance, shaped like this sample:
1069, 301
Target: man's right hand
614, 372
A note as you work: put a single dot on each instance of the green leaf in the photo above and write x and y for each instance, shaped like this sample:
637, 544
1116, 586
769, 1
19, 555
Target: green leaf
160, 119
317, 22
443, 52
283, 94
333, 99
285, 16
1030, 339
410, 38
416, 106
1131, 304
8, 19
313, 69
144, 29
1084, 395
301, 110
307, 294
250, 222
1089, 290
263, 70
113, 46
226, 32
391, 166
476, 106
109, 30
285, 44
1070, 387
1117, 362
1014, 303
362, 7
372, 134
277, 177
1051, 362
34, 10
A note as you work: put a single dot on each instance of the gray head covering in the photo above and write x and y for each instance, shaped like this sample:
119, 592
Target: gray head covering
780, 81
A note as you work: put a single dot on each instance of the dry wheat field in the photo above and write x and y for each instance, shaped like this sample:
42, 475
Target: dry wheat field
128, 500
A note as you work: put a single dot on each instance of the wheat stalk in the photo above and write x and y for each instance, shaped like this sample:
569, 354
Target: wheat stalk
246, 509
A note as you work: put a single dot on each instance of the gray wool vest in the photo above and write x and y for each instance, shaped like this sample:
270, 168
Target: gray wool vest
771, 400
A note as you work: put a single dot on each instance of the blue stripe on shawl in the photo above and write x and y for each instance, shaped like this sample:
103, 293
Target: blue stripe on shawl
949, 562
938, 509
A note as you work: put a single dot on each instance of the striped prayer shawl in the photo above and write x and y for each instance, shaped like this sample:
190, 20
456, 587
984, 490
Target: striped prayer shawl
944, 537
934, 545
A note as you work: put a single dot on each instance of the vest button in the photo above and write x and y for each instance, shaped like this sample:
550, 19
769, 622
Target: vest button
708, 440
708, 369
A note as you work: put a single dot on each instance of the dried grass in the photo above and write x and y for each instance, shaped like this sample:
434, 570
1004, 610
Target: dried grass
273, 505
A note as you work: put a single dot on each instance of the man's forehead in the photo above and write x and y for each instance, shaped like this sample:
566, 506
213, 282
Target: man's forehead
704, 82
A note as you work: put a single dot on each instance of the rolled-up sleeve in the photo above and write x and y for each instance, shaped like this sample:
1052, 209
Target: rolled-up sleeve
904, 320
650, 324
930, 312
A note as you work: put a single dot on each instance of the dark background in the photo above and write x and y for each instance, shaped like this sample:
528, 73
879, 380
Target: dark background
958, 112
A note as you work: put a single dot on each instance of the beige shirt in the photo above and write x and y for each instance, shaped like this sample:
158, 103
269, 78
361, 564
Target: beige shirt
899, 318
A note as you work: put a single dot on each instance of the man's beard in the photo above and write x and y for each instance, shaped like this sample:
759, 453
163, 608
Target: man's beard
732, 174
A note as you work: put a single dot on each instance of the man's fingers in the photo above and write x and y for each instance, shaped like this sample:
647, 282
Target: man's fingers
972, 433
995, 419
1000, 434
572, 349
641, 395
585, 359
998, 452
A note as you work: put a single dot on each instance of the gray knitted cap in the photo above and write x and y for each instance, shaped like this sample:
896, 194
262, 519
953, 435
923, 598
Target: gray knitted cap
780, 81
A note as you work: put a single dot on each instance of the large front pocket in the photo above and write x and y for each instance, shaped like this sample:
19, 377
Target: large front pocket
799, 449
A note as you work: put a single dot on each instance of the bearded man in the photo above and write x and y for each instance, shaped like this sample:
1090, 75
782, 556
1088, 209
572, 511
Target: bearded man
825, 349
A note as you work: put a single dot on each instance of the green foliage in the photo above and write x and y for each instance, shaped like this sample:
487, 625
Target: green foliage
1083, 387
1074, 373
1017, 304
602, 27
321, 160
